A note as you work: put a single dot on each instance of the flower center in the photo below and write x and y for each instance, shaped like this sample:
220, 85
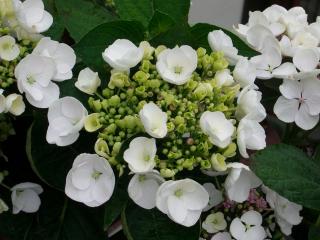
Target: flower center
96, 174
30, 80
178, 193
142, 178
147, 158
7, 46
178, 69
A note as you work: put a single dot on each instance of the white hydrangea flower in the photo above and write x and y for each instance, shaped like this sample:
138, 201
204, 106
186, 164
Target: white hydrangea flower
88, 81
32, 16
148, 50
306, 60
122, 55
239, 182
249, 105
214, 223
299, 102
90, 180
25, 197
62, 55
140, 155
15, 104
143, 189
286, 212
220, 41
215, 196
66, 118
154, 120
245, 72
224, 78
9, 50
250, 135
182, 200
248, 227
217, 127
257, 35
2, 101
177, 65
34, 75
221, 236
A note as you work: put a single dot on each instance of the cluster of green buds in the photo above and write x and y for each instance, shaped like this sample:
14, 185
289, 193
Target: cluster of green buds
7, 67
116, 113
6, 128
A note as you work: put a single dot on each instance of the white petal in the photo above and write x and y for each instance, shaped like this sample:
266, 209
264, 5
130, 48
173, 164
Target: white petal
256, 36
286, 109
252, 218
285, 70
304, 119
306, 59
177, 209
222, 236
215, 196
15, 104
311, 91
237, 229
291, 89
255, 233
50, 94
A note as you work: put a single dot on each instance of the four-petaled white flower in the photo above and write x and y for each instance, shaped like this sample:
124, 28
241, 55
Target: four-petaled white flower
286, 212
143, 189
154, 120
66, 118
32, 16
215, 196
62, 55
248, 227
217, 127
140, 155
250, 135
90, 180
25, 197
177, 65
221, 236
219, 41
214, 223
299, 103
34, 75
249, 105
123, 55
245, 72
9, 50
239, 182
88, 81
182, 200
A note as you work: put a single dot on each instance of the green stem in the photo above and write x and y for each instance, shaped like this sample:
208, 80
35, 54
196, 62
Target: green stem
99, 96
5, 186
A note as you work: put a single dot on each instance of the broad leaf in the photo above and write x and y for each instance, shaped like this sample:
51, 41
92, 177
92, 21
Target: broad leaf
57, 28
81, 16
144, 10
160, 23
314, 233
50, 162
91, 47
288, 171
200, 38
142, 224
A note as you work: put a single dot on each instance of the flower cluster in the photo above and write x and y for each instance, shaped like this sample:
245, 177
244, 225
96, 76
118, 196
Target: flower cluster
289, 48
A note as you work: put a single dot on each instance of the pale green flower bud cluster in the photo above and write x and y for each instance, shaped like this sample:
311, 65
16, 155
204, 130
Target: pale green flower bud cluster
6, 128
7, 67
185, 147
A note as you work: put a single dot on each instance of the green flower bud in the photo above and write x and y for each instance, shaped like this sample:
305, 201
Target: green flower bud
116, 148
159, 49
188, 163
167, 173
170, 126
111, 129
205, 164
141, 77
148, 50
220, 65
178, 120
114, 101
218, 162
101, 148
120, 168
181, 128
203, 90
145, 66
191, 85
141, 91
107, 93
96, 105
92, 123
130, 122
153, 83
118, 79
201, 52
230, 151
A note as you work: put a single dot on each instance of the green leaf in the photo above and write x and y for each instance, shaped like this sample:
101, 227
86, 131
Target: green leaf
81, 16
288, 171
142, 224
200, 38
50, 162
143, 10
314, 233
91, 46
135, 10
160, 23
57, 28
316, 155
